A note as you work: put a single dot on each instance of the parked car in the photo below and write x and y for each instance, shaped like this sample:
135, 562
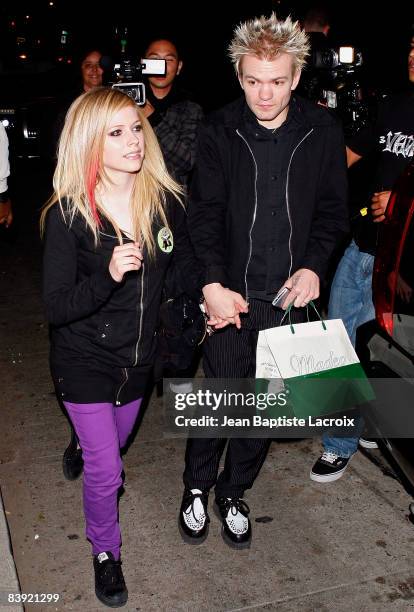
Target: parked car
386, 345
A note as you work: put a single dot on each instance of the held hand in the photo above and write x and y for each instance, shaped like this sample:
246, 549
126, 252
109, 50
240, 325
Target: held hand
304, 287
217, 323
223, 306
379, 205
6, 215
125, 257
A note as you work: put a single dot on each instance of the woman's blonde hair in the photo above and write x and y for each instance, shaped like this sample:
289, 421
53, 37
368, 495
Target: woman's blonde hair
80, 170
266, 38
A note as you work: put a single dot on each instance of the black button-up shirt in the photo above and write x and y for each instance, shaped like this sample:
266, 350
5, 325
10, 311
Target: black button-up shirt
272, 150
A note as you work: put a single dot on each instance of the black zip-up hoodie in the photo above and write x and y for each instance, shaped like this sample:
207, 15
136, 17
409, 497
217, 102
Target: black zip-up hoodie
96, 322
223, 198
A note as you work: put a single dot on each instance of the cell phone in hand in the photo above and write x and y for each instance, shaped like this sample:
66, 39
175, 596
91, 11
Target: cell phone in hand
280, 297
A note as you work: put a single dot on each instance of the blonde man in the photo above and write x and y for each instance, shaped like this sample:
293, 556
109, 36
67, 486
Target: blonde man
267, 207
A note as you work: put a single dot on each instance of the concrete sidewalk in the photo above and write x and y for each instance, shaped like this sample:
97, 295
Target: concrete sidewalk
342, 547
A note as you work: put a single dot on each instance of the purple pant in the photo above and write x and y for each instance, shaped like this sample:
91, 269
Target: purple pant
102, 430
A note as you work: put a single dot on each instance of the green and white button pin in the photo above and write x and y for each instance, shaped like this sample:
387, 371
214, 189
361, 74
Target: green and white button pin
165, 240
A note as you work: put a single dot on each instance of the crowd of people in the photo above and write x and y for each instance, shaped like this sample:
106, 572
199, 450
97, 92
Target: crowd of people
243, 202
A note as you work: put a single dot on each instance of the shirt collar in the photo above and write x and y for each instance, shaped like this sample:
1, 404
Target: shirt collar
292, 121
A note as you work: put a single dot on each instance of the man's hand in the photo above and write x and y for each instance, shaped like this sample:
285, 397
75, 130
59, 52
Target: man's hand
379, 205
304, 287
223, 306
6, 215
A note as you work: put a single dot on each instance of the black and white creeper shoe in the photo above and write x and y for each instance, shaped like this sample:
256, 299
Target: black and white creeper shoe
236, 527
193, 521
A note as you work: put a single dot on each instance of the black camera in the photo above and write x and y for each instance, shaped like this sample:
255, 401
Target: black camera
339, 84
342, 59
126, 75
332, 78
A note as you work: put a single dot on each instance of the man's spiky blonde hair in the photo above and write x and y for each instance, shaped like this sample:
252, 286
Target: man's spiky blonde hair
266, 38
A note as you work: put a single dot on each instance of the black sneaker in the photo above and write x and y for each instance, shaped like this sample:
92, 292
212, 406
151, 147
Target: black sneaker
194, 520
110, 585
72, 463
329, 467
368, 443
236, 527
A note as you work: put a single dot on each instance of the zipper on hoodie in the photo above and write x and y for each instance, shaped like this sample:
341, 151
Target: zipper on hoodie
117, 402
287, 200
254, 212
141, 312
141, 315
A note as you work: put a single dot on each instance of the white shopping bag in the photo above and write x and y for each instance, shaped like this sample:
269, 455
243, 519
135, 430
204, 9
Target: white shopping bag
317, 363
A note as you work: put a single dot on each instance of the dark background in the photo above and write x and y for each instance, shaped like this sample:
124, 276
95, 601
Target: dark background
203, 30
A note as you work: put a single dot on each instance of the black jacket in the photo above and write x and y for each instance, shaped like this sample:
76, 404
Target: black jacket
96, 323
223, 198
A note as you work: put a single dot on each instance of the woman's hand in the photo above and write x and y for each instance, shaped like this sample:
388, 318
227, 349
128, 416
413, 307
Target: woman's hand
223, 306
125, 257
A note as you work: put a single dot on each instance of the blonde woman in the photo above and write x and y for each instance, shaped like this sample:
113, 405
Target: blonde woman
111, 229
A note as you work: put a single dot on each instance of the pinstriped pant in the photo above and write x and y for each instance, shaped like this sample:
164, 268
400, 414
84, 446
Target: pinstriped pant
231, 353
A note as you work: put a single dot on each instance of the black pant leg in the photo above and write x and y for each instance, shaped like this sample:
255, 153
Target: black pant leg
227, 354
202, 458
244, 458
231, 353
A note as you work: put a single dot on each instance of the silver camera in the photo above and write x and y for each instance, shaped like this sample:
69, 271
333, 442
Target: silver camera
127, 75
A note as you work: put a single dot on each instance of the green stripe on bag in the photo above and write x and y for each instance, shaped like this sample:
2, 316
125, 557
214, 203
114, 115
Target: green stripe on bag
321, 393
329, 391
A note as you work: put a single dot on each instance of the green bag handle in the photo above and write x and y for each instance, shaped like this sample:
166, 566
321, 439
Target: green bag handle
288, 312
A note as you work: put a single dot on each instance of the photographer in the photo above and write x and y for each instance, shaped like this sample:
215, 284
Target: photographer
316, 24
332, 76
173, 116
